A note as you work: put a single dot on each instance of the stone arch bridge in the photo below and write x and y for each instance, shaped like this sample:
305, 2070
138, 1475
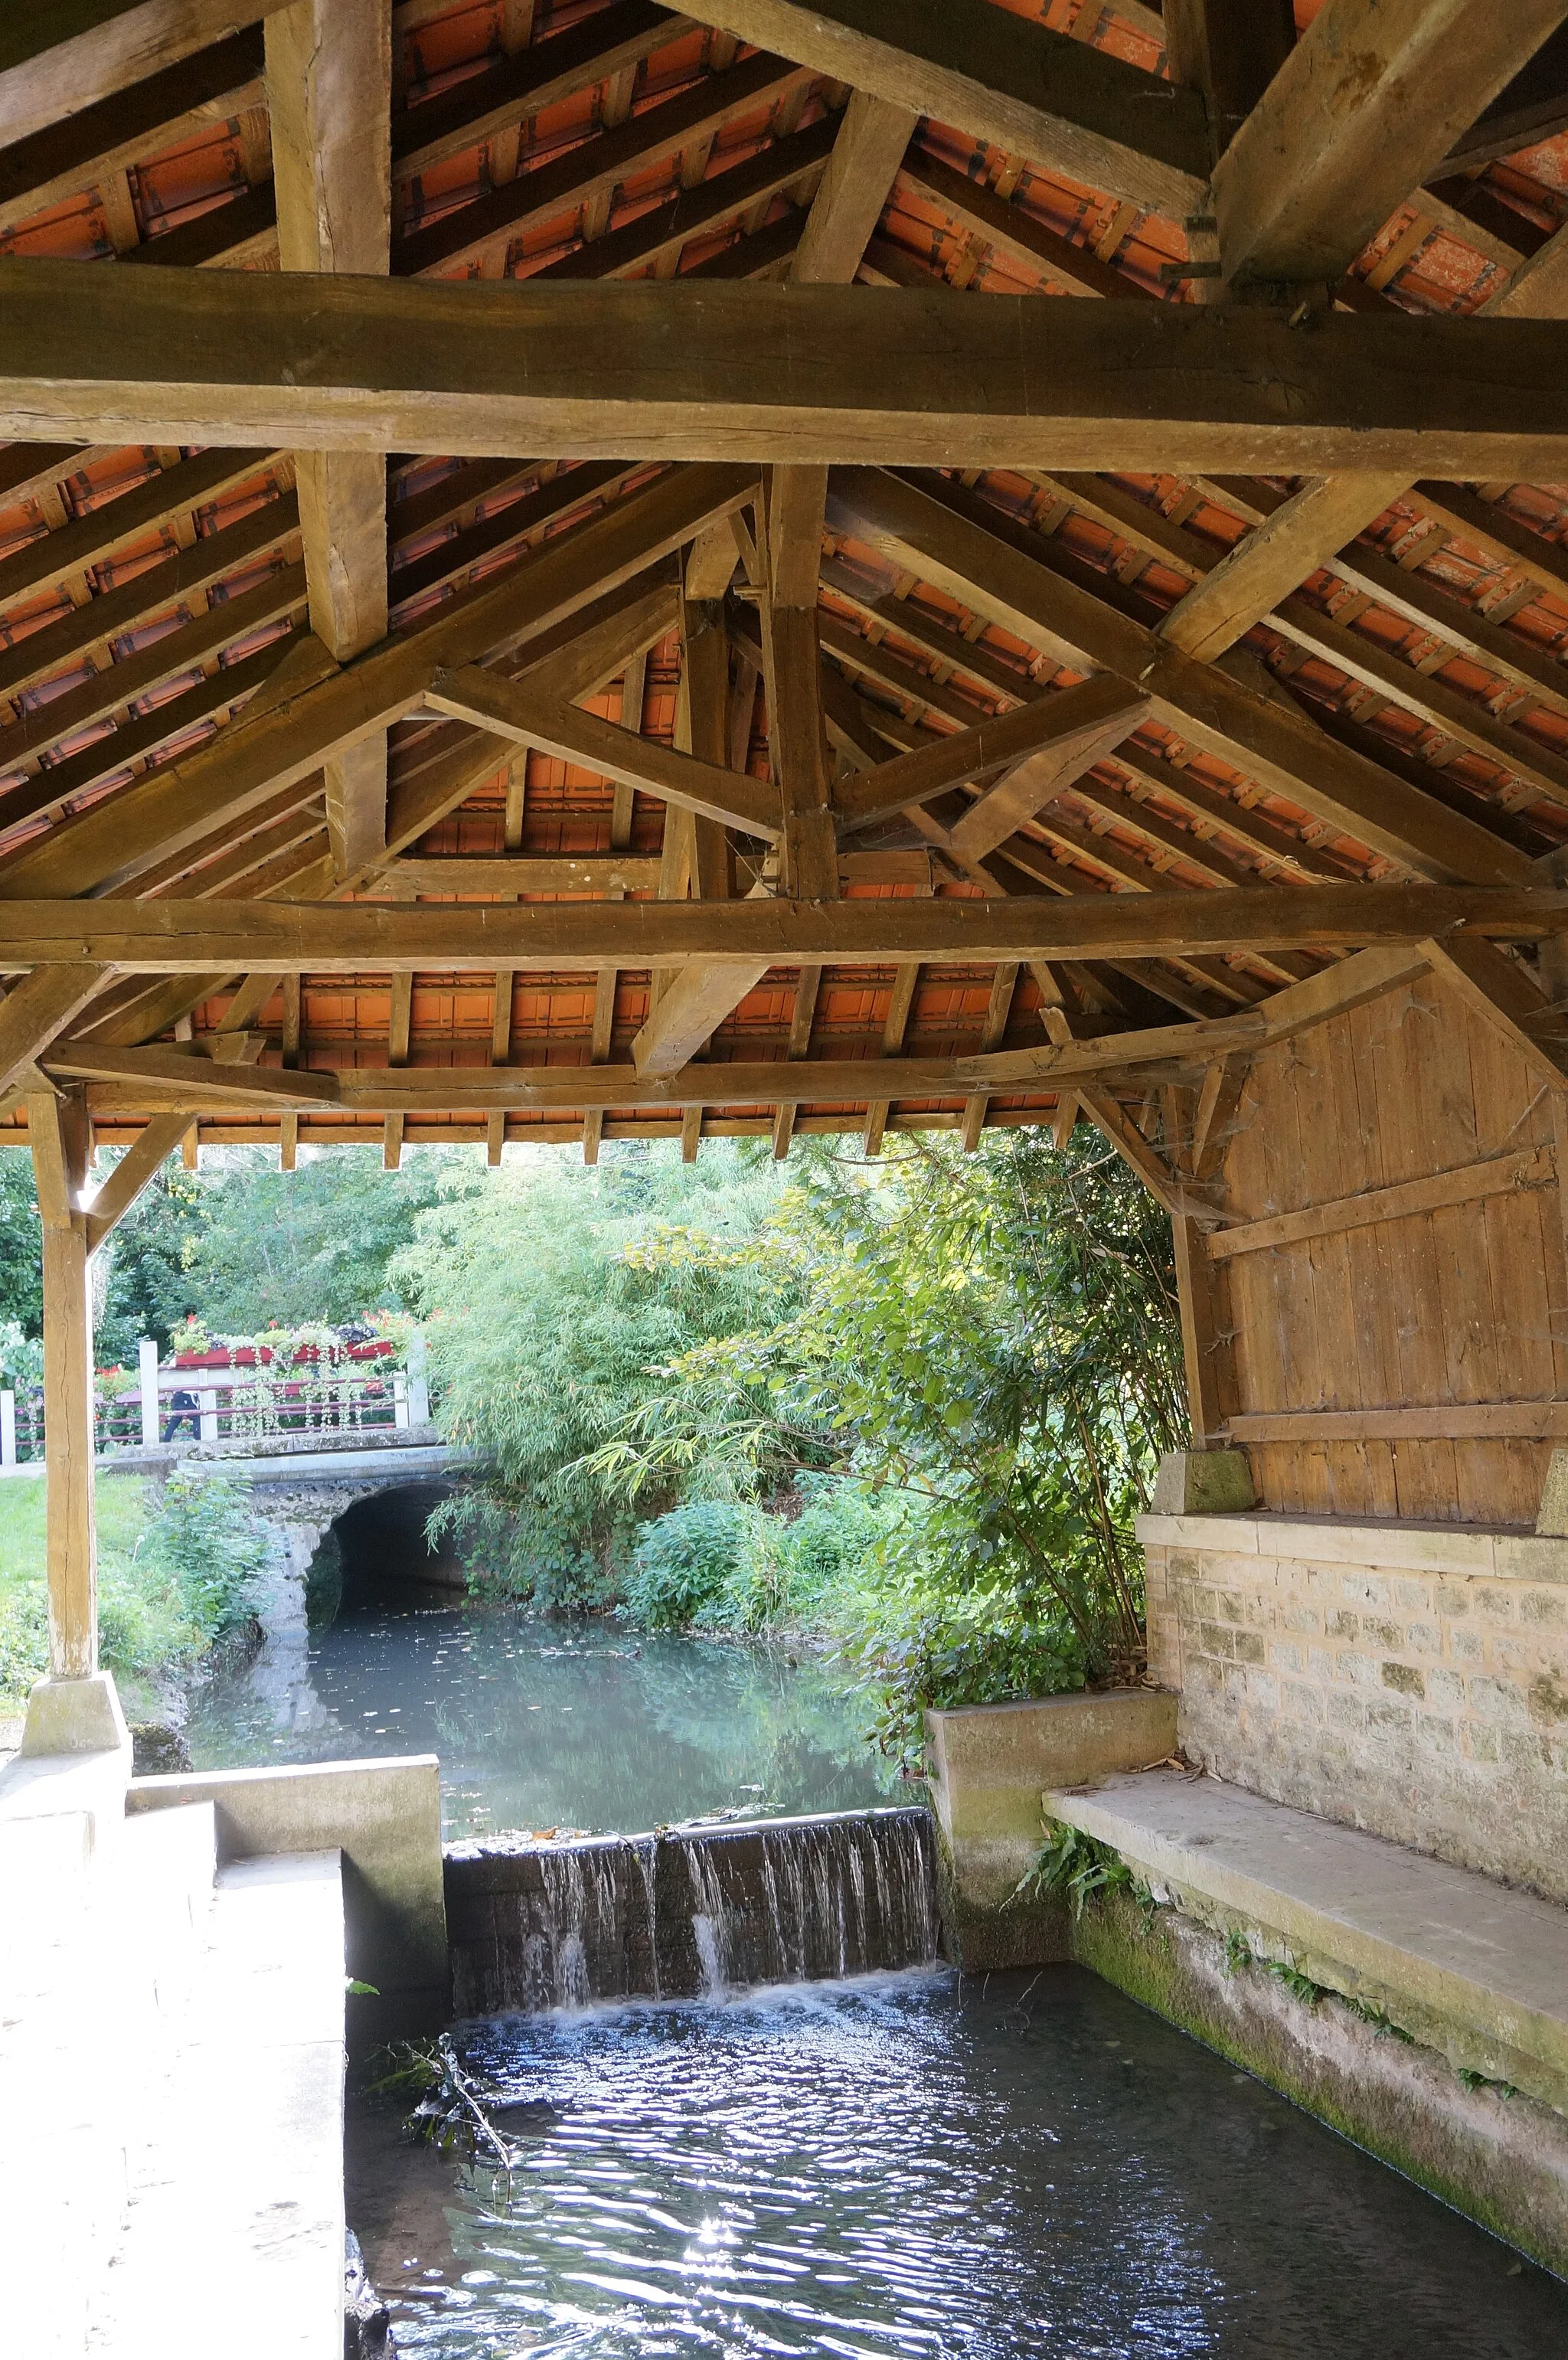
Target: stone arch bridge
304, 1484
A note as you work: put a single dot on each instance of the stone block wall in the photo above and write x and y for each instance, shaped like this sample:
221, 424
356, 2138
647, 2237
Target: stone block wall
1406, 1679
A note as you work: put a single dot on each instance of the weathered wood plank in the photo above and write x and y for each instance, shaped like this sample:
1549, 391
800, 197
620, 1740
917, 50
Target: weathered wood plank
1448, 1422
55, 61
1528, 1168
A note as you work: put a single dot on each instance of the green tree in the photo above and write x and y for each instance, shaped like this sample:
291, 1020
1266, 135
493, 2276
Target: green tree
993, 1340
152, 1286
316, 1244
547, 1326
21, 1244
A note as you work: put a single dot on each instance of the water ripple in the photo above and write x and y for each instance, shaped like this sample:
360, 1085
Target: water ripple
896, 2169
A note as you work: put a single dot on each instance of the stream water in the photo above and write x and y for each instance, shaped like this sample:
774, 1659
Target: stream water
901, 2165
543, 1725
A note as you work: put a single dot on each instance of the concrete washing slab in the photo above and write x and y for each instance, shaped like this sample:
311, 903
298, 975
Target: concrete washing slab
1465, 1963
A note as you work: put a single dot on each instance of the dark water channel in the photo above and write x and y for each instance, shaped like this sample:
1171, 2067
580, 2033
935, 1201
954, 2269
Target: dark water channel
903, 2166
549, 1725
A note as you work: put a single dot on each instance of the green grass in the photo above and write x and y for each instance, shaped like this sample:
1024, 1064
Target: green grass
144, 1622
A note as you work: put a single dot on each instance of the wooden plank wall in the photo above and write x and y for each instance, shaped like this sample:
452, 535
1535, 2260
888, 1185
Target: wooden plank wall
1466, 1304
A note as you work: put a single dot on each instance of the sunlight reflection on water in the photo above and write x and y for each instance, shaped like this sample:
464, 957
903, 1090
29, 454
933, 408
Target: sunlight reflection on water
901, 2166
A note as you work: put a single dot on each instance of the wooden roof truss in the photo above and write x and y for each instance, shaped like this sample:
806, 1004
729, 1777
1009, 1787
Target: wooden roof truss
1043, 512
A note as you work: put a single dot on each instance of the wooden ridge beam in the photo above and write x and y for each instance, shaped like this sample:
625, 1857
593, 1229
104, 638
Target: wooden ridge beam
1026, 90
796, 375
174, 938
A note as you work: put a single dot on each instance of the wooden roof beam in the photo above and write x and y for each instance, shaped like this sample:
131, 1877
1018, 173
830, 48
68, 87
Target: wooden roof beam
1366, 105
659, 236
125, 129
58, 61
1074, 108
170, 493
778, 374
526, 717
225, 937
481, 108
1036, 743
109, 692
85, 631
597, 167
149, 819
950, 538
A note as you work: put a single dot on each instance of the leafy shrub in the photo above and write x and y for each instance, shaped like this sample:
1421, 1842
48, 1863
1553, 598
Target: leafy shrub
23, 1637
940, 1660
686, 1564
1078, 1865
21, 1358
210, 1542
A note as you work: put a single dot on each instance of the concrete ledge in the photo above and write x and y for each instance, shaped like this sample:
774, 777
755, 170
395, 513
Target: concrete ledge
384, 1460
1499, 1553
384, 1816
1471, 1968
990, 1765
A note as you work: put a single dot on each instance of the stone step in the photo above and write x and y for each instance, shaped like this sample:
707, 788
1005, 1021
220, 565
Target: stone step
233, 2235
1476, 1966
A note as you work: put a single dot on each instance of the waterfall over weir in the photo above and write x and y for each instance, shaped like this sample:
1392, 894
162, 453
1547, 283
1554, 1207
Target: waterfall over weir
689, 1912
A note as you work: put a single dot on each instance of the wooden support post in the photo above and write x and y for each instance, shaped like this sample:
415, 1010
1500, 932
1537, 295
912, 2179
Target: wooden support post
517, 803
288, 1124
801, 1024
56, 1130
992, 1033
1200, 1348
790, 522
902, 999
329, 95
500, 1051
397, 1054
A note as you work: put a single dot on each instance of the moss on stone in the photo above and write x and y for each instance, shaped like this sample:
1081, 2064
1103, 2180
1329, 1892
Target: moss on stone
1161, 1960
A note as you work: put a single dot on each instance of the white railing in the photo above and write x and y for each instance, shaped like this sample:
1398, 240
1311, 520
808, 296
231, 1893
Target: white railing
184, 1406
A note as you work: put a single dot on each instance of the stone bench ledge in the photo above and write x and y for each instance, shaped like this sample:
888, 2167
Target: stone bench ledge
1496, 1553
1466, 1964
